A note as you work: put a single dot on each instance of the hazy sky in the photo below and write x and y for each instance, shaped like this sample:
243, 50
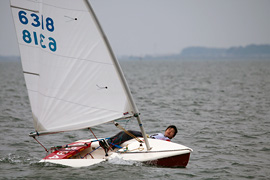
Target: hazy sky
140, 27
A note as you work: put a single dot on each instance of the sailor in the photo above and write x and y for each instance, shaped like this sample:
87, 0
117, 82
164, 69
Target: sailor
170, 132
121, 137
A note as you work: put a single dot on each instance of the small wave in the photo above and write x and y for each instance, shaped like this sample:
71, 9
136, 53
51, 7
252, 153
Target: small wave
265, 149
120, 161
16, 159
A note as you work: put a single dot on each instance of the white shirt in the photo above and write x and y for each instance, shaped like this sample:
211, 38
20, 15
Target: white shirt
160, 136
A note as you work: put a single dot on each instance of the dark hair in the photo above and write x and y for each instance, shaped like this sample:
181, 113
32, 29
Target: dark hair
174, 127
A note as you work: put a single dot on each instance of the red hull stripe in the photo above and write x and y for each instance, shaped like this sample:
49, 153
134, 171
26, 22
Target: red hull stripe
65, 153
175, 161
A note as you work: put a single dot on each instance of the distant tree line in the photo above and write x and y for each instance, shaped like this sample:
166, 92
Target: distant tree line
248, 52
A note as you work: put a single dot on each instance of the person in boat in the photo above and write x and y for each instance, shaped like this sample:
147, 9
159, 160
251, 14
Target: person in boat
122, 136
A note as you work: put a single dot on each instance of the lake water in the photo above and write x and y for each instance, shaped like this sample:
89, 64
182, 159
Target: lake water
221, 108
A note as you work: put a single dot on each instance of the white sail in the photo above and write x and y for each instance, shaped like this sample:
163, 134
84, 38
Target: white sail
70, 73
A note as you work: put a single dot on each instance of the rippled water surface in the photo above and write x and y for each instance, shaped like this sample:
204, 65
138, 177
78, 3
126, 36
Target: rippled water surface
221, 108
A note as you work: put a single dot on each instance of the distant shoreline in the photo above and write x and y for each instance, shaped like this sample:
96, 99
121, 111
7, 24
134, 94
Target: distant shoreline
248, 52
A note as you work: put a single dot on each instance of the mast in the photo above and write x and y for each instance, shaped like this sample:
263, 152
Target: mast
120, 73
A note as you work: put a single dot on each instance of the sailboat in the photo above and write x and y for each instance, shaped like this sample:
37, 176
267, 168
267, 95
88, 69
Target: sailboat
74, 81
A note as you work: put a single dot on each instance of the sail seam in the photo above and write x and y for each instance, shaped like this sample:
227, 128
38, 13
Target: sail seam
65, 8
17, 7
74, 58
54, 6
71, 101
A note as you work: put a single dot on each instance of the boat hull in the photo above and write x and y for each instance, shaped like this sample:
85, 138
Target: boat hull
162, 153
174, 161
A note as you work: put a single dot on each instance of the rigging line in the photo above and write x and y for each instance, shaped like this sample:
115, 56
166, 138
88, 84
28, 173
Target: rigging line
41, 145
99, 140
93, 133
128, 133
90, 153
102, 144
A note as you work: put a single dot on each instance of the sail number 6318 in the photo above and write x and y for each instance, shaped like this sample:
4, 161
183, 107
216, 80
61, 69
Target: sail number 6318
37, 39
